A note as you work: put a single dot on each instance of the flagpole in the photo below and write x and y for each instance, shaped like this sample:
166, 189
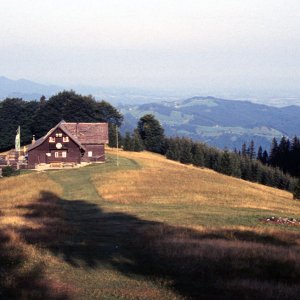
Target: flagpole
117, 142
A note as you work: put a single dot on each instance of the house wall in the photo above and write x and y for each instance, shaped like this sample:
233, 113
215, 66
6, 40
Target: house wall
38, 154
98, 153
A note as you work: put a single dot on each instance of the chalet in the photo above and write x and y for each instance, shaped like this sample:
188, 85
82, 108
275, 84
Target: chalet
70, 143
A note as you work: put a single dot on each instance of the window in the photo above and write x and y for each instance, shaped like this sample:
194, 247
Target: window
51, 139
48, 154
65, 139
62, 154
90, 153
58, 134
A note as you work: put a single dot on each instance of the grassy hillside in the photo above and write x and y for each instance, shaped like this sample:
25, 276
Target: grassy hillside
148, 229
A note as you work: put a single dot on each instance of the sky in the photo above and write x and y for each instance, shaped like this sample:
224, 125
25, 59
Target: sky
211, 45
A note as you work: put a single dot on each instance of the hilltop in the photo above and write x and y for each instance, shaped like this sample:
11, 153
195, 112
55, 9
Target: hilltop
150, 228
218, 122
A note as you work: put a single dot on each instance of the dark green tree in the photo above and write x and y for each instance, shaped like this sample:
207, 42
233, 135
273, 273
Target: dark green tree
251, 150
16, 112
151, 133
173, 151
273, 153
127, 142
226, 163
186, 156
113, 130
296, 193
198, 152
138, 145
260, 154
73, 107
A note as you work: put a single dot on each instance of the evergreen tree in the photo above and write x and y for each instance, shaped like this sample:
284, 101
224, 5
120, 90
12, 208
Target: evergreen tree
173, 149
273, 153
113, 130
198, 155
294, 159
260, 154
244, 149
226, 164
265, 157
128, 142
251, 150
151, 133
186, 156
296, 193
138, 145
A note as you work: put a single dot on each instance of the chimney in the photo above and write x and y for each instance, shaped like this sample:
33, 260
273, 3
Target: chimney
33, 139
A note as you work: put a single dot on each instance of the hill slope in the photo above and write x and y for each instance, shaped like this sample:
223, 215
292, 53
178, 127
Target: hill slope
218, 122
148, 229
26, 89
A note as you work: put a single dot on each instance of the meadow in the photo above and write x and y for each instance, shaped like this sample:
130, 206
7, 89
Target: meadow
149, 228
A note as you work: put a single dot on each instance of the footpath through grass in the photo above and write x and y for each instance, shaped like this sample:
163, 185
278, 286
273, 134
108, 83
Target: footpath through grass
148, 229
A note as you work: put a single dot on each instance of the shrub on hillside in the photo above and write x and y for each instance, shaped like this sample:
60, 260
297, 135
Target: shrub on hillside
9, 171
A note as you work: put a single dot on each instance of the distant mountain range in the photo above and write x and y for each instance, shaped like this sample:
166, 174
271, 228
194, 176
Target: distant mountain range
218, 122
26, 89
30, 90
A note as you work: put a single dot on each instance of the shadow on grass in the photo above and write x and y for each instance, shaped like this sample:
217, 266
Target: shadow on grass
17, 282
224, 264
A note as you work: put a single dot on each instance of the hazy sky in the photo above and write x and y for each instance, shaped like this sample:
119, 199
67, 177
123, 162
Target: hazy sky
211, 44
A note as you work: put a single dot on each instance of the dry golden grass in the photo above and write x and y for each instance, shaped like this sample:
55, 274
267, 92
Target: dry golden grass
23, 263
226, 264
18, 191
59, 244
25, 188
161, 181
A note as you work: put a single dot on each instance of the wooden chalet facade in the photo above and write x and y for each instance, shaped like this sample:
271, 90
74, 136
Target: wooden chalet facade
70, 143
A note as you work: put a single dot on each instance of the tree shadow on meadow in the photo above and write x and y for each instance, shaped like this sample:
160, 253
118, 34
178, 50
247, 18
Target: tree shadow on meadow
18, 282
211, 264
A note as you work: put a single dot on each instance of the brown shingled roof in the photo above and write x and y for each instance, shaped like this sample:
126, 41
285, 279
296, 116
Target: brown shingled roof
80, 133
88, 133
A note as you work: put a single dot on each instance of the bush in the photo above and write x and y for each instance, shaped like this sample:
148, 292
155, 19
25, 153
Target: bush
8, 171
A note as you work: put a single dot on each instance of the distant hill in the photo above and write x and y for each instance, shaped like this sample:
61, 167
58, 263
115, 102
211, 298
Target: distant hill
30, 90
218, 122
25, 89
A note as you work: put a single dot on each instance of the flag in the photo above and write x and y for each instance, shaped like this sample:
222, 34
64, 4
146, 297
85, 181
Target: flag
18, 140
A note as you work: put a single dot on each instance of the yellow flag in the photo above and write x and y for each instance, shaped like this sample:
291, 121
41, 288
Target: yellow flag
18, 140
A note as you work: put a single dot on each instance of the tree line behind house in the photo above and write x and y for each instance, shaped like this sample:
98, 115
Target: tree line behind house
37, 117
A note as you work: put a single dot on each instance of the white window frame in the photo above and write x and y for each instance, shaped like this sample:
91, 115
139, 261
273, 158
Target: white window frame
51, 139
66, 139
64, 154
56, 154
90, 153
